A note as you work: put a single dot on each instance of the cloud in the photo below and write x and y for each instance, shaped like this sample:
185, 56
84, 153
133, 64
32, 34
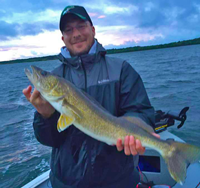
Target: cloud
125, 35
2, 13
9, 31
120, 10
118, 23
36, 28
16, 20
28, 16
47, 43
143, 14
36, 6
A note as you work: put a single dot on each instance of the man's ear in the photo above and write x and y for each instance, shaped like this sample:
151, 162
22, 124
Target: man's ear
62, 38
93, 30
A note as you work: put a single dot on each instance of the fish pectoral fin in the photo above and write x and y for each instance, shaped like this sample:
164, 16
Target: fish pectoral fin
140, 123
64, 122
72, 109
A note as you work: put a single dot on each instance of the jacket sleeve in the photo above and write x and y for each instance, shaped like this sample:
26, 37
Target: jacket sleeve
46, 130
133, 97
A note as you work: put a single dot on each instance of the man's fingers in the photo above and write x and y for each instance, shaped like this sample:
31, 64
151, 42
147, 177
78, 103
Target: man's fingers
139, 148
132, 145
35, 95
27, 92
156, 135
119, 145
126, 146
31, 97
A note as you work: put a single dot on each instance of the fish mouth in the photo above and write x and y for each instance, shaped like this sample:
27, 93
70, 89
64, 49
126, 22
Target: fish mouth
34, 76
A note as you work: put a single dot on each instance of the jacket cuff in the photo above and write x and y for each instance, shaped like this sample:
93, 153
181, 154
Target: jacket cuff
39, 120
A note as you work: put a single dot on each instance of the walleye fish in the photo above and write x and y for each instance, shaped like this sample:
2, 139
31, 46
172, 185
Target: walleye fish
79, 109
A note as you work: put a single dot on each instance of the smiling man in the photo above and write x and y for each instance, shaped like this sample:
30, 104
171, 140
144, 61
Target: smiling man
71, 26
77, 160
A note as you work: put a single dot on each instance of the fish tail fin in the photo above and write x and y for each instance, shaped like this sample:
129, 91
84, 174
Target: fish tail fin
178, 158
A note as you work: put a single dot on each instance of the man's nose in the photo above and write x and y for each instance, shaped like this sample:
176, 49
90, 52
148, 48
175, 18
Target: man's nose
76, 32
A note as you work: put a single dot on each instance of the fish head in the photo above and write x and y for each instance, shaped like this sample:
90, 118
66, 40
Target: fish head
43, 81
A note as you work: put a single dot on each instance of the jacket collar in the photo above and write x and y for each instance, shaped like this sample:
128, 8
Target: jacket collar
92, 57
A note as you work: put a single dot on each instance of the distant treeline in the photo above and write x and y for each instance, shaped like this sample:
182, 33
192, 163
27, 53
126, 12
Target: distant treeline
169, 45
113, 51
32, 59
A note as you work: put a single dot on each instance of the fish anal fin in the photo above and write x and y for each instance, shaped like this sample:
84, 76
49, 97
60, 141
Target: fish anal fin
64, 122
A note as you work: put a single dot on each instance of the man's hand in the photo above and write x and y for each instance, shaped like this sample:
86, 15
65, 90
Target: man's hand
42, 106
131, 145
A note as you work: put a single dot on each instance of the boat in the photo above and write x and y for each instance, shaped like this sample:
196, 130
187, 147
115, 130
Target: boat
152, 168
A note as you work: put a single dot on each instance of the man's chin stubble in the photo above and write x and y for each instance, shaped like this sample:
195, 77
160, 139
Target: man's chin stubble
79, 53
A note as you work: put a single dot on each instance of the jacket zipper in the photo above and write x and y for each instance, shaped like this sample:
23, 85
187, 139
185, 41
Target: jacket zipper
88, 143
85, 75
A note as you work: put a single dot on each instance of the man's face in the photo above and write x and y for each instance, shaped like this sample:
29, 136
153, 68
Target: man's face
78, 36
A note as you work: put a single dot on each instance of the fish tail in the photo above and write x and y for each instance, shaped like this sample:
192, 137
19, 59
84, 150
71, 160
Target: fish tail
178, 158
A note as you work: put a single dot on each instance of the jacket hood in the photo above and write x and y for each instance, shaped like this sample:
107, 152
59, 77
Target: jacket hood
96, 51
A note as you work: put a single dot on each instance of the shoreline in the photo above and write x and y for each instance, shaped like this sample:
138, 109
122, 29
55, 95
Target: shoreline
113, 51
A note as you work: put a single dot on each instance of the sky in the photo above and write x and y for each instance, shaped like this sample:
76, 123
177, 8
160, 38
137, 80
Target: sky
30, 28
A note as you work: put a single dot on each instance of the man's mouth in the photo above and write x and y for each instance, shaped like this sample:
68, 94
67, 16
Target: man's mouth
78, 42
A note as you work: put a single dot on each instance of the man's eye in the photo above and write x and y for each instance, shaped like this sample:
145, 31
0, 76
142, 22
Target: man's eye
68, 30
81, 26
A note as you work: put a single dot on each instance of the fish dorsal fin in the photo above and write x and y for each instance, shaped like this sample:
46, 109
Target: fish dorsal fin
64, 122
93, 100
140, 123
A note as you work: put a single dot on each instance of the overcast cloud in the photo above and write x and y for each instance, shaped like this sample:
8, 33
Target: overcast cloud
118, 23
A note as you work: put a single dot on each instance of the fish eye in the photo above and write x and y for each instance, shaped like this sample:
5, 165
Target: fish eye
43, 73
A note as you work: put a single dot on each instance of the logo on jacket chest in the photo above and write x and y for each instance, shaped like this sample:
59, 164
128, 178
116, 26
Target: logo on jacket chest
103, 81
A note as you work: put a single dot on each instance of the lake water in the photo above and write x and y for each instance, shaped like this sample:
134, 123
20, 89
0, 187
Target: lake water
171, 77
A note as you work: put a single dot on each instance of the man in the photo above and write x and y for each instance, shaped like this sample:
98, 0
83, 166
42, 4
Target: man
77, 160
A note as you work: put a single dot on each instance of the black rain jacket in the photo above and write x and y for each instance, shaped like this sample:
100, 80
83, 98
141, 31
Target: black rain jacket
77, 160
